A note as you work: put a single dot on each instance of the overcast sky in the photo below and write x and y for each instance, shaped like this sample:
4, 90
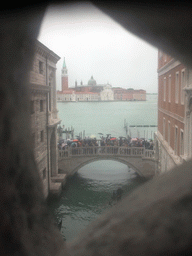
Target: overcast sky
93, 44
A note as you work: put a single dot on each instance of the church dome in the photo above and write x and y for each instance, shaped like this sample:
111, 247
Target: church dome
92, 82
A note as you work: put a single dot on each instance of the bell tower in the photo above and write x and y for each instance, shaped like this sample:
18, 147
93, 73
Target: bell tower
64, 76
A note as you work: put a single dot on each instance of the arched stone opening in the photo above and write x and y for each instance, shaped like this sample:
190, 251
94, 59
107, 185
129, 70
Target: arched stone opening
129, 165
169, 201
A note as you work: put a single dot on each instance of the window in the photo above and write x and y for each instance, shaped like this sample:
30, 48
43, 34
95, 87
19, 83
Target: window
40, 67
41, 105
176, 140
181, 143
32, 106
169, 88
169, 132
42, 136
182, 86
177, 87
44, 173
164, 89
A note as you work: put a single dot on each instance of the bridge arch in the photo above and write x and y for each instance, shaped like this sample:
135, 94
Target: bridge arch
139, 159
116, 159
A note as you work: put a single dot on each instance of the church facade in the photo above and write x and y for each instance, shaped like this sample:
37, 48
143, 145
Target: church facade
93, 91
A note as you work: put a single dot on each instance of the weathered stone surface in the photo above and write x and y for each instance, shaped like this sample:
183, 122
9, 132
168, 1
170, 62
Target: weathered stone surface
55, 188
154, 220
59, 178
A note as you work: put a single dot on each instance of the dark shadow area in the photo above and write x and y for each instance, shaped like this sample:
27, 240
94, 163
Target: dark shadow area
155, 219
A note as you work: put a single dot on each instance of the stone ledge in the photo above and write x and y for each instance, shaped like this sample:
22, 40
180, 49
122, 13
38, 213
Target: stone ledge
55, 188
59, 178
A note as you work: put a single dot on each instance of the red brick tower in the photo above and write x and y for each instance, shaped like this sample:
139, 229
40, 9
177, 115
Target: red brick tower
64, 77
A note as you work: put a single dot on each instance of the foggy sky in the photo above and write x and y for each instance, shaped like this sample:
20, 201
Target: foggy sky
93, 44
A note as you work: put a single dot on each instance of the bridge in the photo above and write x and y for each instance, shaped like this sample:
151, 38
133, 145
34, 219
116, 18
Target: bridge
139, 159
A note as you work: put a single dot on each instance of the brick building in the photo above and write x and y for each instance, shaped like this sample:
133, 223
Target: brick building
174, 96
44, 119
121, 94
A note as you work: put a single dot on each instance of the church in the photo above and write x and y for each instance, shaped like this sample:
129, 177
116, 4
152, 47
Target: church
95, 92
83, 92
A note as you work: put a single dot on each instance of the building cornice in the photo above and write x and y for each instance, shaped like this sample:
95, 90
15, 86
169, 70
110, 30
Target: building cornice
39, 88
173, 115
166, 68
46, 52
53, 122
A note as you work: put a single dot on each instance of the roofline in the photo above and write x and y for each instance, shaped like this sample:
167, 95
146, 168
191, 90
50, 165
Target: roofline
47, 51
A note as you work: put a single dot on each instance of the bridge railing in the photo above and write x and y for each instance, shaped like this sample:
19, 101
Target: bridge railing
149, 154
106, 151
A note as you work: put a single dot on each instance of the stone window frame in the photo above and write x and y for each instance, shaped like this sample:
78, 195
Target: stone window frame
41, 67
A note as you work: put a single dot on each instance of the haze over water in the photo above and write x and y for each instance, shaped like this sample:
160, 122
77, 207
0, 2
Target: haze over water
108, 117
88, 193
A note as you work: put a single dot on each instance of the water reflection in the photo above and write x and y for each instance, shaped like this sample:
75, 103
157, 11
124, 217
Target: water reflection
88, 193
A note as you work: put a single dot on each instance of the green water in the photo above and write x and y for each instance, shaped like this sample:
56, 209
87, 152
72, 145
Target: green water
88, 193
108, 117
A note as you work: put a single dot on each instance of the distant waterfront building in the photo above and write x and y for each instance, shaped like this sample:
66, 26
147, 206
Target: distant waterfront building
107, 94
174, 135
44, 118
121, 94
95, 92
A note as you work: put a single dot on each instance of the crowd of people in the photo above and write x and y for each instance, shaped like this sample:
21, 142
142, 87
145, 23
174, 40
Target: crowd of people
106, 141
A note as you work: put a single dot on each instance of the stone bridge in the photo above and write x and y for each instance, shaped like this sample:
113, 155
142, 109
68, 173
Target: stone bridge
138, 158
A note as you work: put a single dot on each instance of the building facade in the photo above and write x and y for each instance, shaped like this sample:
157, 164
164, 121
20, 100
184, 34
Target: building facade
44, 118
95, 92
107, 94
173, 140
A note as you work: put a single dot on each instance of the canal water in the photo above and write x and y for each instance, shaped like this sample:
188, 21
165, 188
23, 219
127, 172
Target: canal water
88, 193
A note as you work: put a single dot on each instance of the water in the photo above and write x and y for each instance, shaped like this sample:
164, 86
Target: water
108, 117
88, 193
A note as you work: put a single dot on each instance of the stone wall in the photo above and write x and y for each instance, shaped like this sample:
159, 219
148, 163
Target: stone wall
165, 156
39, 134
154, 220
35, 76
